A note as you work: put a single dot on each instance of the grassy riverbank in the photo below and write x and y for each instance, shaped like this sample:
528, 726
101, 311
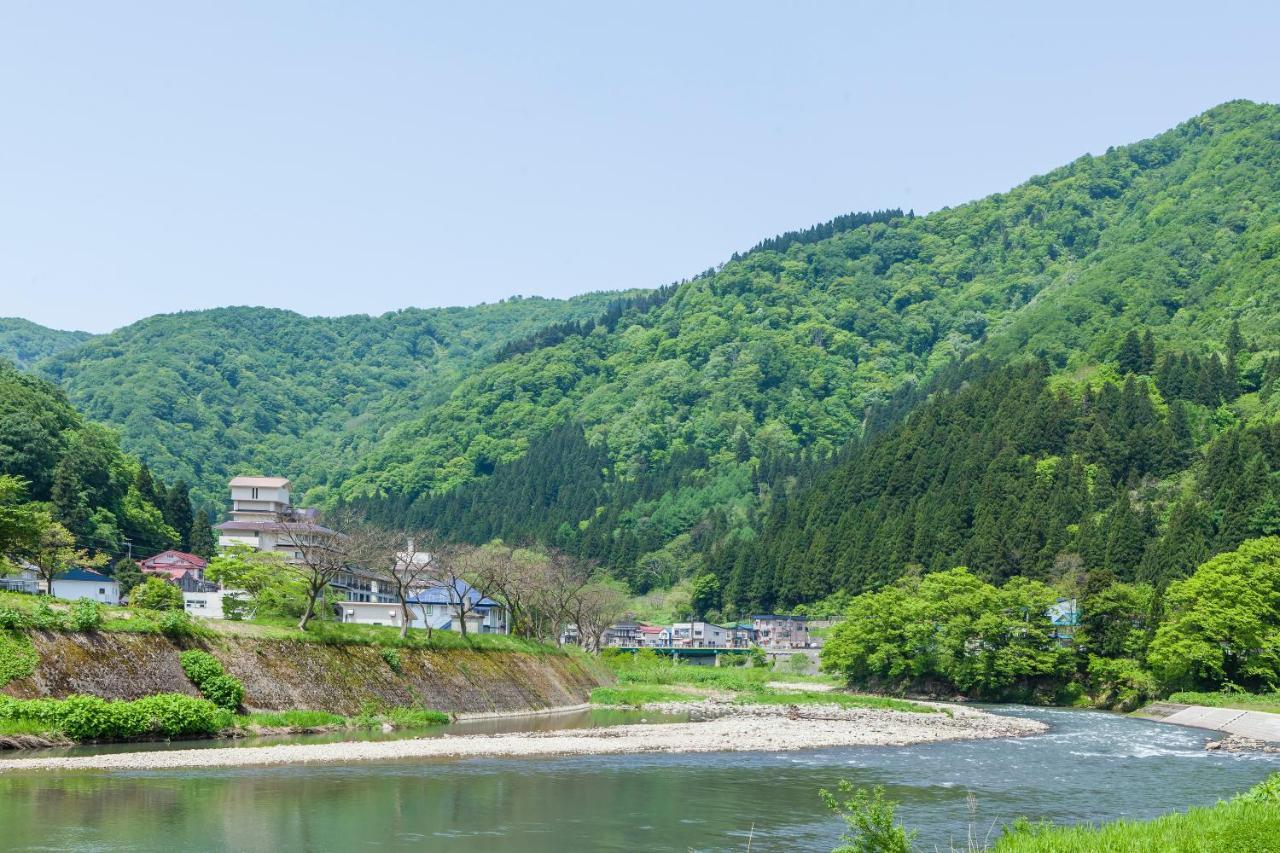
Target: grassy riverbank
1245, 701
79, 719
38, 612
1249, 822
647, 678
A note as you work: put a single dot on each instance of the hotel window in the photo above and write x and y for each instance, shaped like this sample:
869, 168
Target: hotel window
255, 493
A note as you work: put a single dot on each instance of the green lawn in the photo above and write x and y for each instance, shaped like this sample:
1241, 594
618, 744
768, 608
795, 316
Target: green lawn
1245, 701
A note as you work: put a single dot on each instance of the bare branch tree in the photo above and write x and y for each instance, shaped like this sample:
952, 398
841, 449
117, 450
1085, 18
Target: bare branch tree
515, 577
320, 554
467, 579
595, 607
566, 578
408, 565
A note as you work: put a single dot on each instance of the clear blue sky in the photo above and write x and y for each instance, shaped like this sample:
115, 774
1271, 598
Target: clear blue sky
359, 157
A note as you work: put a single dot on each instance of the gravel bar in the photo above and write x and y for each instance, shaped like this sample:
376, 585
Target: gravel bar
742, 729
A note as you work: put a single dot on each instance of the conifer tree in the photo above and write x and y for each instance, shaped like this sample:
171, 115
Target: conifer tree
1129, 359
1148, 352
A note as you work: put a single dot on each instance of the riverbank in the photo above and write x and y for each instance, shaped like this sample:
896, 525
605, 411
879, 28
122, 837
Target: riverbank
762, 728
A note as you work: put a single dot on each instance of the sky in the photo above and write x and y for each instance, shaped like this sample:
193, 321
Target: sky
338, 158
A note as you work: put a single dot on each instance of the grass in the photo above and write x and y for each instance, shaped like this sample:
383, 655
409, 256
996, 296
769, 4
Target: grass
635, 695
646, 677
323, 632
1239, 825
22, 727
291, 720
844, 700
1244, 701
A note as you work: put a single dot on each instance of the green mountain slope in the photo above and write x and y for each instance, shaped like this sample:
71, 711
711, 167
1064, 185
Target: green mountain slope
789, 352
24, 343
52, 459
203, 395
1021, 473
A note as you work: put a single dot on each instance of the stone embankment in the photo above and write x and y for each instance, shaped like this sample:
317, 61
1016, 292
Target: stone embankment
281, 675
763, 728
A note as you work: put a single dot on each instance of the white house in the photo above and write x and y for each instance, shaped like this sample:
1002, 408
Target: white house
26, 580
437, 606
209, 605
86, 583
700, 635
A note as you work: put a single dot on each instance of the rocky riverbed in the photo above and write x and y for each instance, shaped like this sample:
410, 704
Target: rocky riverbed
719, 727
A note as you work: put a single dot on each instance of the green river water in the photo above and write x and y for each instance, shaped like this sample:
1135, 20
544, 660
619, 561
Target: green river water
1090, 766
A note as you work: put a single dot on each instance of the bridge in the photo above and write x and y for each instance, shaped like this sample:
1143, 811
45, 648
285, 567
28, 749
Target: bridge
708, 655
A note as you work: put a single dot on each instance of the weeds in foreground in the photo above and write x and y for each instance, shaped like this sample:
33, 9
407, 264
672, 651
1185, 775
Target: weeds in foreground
1247, 822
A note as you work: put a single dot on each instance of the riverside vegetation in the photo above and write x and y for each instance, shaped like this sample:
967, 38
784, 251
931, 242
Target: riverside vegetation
217, 712
1247, 822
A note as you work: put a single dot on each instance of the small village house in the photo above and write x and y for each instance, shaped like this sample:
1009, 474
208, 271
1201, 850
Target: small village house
86, 583
438, 606
741, 635
652, 637
185, 571
26, 579
622, 635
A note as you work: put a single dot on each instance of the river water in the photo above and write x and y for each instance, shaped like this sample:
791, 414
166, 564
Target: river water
1090, 766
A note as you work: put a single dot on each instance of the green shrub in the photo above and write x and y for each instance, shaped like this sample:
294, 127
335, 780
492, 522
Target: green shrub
1266, 791
156, 594
11, 618
86, 615
392, 657
176, 623
213, 682
870, 820
92, 718
18, 657
44, 617
1120, 683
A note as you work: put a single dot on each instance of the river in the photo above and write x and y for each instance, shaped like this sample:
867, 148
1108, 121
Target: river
1090, 766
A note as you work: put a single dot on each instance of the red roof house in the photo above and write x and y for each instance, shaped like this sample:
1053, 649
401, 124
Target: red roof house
174, 565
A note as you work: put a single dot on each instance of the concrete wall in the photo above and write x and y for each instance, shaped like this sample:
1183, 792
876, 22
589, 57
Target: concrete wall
281, 675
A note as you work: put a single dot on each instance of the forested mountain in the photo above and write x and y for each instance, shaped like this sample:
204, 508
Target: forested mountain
1022, 473
56, 467
685, 421
203, 395
24, 343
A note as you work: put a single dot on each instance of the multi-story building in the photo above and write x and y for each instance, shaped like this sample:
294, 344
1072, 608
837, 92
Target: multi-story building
625, 634
264, 518
781, 632
700, 635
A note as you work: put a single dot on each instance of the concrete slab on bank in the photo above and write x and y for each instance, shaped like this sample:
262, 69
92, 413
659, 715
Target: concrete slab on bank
1259, 725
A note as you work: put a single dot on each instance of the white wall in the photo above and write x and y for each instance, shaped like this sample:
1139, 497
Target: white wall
209, 605
105, 591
